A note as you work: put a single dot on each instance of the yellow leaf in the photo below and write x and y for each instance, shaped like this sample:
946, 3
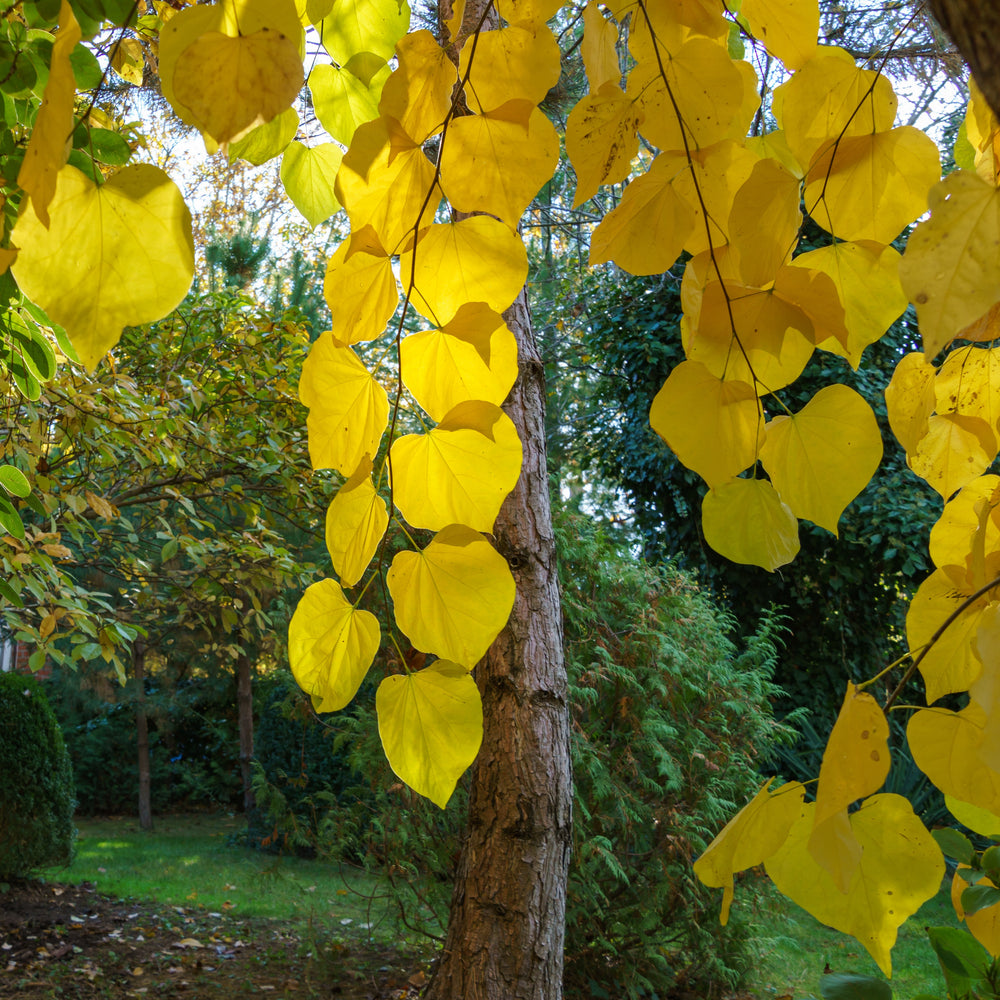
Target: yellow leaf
980, 820
307, 175
601, 140
965, 540
986, 328
755, 833
385, 186
458, 473
901, 868
656, 29
830, 97
225, 86
770, 192
788, 28
116, 255
951, 664
49, 144
355, 524
814, 295
343, 102
821, 458
473, 357
909, 399
953, 452
599, 48
870, 187
866, 277
706, 86
495, 165
331, 645
950, 269
984, 925
100, 506
527, 13
511, 64
713, 427
360, 289
855, 765
473, 260
348, 409
746, 521
419, 93
453, 598
646, 231
430, 722
128, 61
968, 383
7, 257
47, 626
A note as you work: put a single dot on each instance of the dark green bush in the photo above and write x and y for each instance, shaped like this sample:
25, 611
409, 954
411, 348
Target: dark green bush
36, 782
670, 723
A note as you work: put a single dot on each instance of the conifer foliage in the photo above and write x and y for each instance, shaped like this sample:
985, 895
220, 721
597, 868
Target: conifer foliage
438, 147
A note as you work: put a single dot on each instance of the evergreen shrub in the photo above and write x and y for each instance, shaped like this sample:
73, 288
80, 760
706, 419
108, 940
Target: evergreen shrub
670, 722
36, 782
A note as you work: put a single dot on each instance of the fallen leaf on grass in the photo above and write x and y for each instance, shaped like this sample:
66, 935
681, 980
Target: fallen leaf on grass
188, 943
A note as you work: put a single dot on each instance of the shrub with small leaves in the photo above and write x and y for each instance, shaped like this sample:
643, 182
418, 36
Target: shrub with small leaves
36, 782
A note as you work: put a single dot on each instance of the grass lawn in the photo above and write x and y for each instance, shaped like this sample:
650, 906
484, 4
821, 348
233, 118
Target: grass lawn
796, 950
186, 861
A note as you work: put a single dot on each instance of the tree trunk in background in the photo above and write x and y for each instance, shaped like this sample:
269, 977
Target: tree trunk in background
142, 731
974, 26
507, 923
244, 709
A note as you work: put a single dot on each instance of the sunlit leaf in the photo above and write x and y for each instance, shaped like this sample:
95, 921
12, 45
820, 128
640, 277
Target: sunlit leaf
453, 598
348, 409
331, 645
968, 383
599, 48
360, 289
308, 175
473, 357
116, 255
371, 26
419, 93
714, 427
822, 457
909, 400
510, 64
984, 925
431, 725
746, 521
459, 472
953, 452
787, 28
356, 521
266, 141
343, 102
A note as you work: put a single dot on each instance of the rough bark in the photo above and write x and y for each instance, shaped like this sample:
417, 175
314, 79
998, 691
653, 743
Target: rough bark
244, 711
142, 737
507, 924
974, 26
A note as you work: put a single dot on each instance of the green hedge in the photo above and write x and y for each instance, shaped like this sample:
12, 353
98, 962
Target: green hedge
36, 782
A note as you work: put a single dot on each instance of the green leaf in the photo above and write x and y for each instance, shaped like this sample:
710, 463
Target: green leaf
963, 959
169, 550
955, 845
308, 176
86, 69
109, 147
979, 897
851, 986
14, 481
10, 595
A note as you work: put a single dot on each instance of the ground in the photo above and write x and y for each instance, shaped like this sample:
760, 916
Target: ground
71, 943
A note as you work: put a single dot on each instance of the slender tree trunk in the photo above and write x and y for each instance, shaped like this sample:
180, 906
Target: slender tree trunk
507, 924
974, 26
142, 731
244, 710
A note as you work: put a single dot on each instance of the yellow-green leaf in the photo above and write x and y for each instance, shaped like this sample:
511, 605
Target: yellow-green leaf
331, 645
713, 427
980, 820
458, 473
453, 598
822, 457
342, 101
48, 145
473, 260
755, 833
116, 255
364, 26
746, 521
360, 289
348, 409
901, 868
308, 175
473, 357
128, 60
951, 270
266, 141
355, 524
431, 726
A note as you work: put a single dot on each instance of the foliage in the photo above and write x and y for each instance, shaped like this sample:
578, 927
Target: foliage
36, 794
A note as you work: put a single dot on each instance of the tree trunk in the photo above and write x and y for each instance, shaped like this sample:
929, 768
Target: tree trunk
974, 26
142, 732
507, 924
244, 710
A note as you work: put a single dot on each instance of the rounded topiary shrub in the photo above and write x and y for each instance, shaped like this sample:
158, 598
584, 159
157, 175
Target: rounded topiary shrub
36, 782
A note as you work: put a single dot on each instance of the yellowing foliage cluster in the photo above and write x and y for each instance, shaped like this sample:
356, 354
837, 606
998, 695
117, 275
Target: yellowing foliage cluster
438, 147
